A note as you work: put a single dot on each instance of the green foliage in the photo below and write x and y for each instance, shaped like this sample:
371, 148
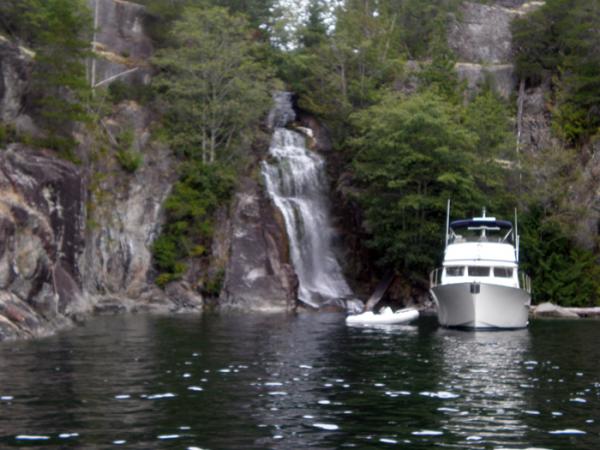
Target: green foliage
162, 14
412, 154
58, 31
130, 160
562, 271
8, 134
348, 68
211, 87
213, 286
128, 157
19, 19
120, 91
60, 89
189, 209
560, 41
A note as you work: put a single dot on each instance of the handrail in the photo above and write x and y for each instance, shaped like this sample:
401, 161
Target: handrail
435, 277
525, 281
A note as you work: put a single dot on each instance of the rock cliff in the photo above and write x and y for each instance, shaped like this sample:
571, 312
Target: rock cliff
258, 274
480, 36
121, 46
41, 237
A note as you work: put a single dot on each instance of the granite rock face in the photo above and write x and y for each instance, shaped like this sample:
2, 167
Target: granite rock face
41, 236
125, 211
259, 275
15, 68
120, 43
482, 34
481, 38
482, 42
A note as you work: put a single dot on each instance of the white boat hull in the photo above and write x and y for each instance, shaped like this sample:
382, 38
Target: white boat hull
481, 306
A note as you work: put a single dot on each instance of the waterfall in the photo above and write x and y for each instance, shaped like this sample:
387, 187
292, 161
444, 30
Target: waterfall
296, 182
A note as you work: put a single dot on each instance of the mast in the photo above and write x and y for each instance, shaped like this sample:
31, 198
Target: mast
516, 237
447, 223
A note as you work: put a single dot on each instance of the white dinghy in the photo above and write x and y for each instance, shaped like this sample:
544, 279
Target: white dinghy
386, 317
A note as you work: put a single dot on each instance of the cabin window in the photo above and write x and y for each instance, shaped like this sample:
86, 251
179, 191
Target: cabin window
455, 271
503, 272
479, 271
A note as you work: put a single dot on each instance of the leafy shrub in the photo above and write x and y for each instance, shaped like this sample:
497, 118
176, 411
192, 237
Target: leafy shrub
213, 286
8, 134
130, 160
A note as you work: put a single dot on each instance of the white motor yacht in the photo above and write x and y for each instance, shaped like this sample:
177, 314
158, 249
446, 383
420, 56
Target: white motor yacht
479, 285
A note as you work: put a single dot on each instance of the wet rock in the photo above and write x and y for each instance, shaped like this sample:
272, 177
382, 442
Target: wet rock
183, 296
551, 310
320, 139
258, 275
282, 113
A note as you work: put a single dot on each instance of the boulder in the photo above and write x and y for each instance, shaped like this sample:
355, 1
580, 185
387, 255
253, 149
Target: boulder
551, 310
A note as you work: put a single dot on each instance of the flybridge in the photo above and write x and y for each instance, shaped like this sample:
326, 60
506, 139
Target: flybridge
482, 229
480, 223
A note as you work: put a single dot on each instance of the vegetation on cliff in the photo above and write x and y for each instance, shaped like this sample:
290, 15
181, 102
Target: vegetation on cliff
58, 32
559, 43
212, 90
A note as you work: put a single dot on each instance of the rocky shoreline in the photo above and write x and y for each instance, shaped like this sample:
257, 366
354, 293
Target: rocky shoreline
547, 309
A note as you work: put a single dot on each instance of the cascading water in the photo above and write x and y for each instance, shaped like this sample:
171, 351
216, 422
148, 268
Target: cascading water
296, 182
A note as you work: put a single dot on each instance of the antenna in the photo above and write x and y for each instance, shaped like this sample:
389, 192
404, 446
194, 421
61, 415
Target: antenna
516, 236
447, 223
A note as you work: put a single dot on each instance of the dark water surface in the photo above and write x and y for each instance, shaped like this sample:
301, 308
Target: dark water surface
283, 381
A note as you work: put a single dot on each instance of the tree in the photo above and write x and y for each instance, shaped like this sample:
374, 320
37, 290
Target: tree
213, 89
314, 31
560, 42
412, 154
562, 271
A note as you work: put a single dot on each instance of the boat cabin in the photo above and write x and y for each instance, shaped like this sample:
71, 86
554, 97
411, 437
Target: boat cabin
480, 250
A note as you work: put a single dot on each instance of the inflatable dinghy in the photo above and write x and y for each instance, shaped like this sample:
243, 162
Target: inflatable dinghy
385, 316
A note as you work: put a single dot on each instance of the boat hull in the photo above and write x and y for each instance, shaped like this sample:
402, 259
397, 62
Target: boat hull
481, 306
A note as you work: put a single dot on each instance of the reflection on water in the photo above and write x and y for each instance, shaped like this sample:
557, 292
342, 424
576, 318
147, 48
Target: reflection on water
486, 369
306, 381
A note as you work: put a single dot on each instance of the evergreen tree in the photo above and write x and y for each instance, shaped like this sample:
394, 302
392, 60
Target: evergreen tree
60, 88
412, 154
560, 42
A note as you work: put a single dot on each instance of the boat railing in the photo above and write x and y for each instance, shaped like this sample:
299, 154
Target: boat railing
435, 277
525, 281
